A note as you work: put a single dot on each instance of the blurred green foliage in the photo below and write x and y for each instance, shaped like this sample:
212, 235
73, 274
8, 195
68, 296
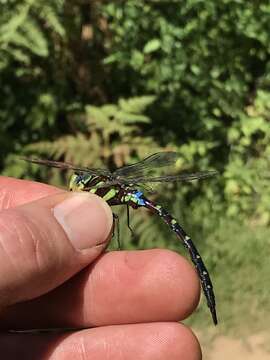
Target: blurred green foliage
105, 83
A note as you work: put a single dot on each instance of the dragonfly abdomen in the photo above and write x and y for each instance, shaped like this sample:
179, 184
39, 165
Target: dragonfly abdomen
194, 254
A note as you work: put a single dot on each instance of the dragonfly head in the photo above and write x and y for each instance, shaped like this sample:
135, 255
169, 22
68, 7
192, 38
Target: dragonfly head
78, 181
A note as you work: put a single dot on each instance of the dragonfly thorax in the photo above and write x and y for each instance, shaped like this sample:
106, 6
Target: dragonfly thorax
116, 194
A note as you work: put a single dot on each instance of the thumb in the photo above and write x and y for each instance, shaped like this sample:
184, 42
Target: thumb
45, 242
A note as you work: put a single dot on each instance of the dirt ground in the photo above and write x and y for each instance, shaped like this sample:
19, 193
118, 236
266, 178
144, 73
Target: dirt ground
254, 347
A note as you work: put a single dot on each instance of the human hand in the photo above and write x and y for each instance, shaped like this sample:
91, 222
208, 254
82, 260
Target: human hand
54, 274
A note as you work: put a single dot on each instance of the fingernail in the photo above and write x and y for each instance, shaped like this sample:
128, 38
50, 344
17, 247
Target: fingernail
85, 218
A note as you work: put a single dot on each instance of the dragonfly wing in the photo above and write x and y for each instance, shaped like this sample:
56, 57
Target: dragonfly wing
171, 178
148, 165
67, 166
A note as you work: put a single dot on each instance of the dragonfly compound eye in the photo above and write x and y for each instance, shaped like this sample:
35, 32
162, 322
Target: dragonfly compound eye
76, 182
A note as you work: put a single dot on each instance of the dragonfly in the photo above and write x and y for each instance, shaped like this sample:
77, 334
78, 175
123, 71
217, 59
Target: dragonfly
126, 185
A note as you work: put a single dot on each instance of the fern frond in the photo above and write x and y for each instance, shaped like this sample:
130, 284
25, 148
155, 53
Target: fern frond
49, 12
32, 38
136, 105
17, 19
22, 29
95, 115
129, 118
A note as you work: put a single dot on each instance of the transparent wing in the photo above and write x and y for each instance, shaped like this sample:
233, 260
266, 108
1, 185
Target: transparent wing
67, 166
155, 168
136, 181
148, 166
180, 177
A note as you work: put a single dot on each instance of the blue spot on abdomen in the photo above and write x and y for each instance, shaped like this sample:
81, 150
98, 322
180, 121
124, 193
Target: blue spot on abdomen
138, 198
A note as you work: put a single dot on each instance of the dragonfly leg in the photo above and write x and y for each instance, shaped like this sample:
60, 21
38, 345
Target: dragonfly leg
128, 222
116, 227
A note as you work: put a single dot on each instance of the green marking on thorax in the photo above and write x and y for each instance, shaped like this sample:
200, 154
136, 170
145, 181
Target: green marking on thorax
110, 194
128, 197
93, 190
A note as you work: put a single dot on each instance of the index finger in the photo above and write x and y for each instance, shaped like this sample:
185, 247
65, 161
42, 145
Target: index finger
15, 192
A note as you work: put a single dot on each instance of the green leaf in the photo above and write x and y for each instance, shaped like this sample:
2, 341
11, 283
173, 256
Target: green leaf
151, 46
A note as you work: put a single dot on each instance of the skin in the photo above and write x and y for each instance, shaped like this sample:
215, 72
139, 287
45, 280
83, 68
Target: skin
55, 273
